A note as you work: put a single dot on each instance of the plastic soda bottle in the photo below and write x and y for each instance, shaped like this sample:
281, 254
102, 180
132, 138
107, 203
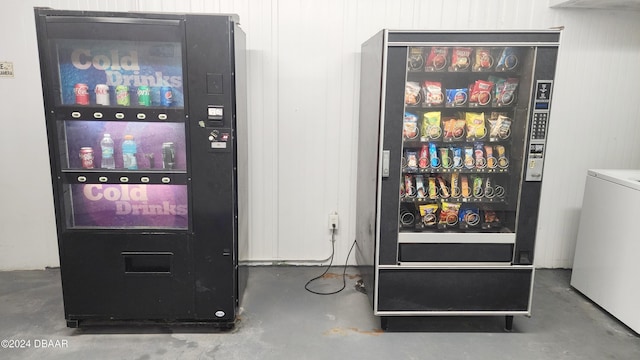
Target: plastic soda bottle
129, 153
108, 162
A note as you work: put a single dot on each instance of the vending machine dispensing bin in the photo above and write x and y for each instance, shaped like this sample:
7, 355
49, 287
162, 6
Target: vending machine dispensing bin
452, 136
146, 124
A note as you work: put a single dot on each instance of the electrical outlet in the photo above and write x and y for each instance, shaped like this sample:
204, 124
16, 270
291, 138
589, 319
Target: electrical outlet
333, 221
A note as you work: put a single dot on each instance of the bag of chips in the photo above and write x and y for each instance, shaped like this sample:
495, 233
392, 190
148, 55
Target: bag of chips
457, 97
410, 126
469, 217
448, 214
460, 59
507, 93
412, 96
432, 93
476, 128
416, 59
508, 60
437, 59
490, 220
483, 60
499, 127
480, 93
431, 125
428, 213
453, 129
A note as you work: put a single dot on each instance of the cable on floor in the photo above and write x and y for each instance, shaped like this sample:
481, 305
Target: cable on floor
344, 272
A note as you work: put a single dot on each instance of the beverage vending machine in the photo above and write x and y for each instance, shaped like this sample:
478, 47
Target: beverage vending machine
146, 123
452, 136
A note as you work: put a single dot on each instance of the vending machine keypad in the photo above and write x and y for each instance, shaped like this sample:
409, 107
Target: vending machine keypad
539, 125
538, 132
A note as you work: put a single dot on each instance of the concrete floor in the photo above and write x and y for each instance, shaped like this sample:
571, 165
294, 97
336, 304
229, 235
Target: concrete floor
280, 320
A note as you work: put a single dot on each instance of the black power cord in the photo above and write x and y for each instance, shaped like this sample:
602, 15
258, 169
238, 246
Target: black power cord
344, 272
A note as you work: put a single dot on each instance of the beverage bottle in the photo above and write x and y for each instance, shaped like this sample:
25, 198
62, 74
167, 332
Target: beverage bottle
108, 162
129, 153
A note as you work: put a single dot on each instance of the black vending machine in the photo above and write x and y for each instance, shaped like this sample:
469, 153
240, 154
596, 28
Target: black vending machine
452, 137
146, 123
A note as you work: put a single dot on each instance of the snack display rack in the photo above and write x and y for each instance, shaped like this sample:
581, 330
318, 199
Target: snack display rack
449, 169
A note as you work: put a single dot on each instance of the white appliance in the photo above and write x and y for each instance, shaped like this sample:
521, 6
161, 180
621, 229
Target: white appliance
605, 266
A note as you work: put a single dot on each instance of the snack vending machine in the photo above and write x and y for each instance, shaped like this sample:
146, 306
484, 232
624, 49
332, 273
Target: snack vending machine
452, 135
146, 123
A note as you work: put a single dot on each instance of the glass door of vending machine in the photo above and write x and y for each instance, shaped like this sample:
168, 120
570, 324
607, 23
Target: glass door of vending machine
449, 169
115, 91
462, 147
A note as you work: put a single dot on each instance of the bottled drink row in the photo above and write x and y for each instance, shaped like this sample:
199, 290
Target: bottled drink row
494, 91
456, 59
123, 95
464, 126
451, 186
479, 156
129, 150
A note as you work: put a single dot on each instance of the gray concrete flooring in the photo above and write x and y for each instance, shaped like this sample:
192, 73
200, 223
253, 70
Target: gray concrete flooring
280, 320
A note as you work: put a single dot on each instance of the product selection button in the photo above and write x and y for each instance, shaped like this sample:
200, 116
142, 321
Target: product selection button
162, 116
97, 115
166, 180
141, 116
144, 179
124, 179
119, 116
76, 115
82, 179
103, 179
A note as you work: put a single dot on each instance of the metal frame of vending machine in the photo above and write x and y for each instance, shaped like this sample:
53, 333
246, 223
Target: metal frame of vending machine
452, 135
154, 237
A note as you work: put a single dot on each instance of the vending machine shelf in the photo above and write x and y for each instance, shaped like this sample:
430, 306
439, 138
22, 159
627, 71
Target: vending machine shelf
108, 113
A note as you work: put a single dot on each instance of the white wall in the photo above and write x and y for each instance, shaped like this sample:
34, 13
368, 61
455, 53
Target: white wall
303, 64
